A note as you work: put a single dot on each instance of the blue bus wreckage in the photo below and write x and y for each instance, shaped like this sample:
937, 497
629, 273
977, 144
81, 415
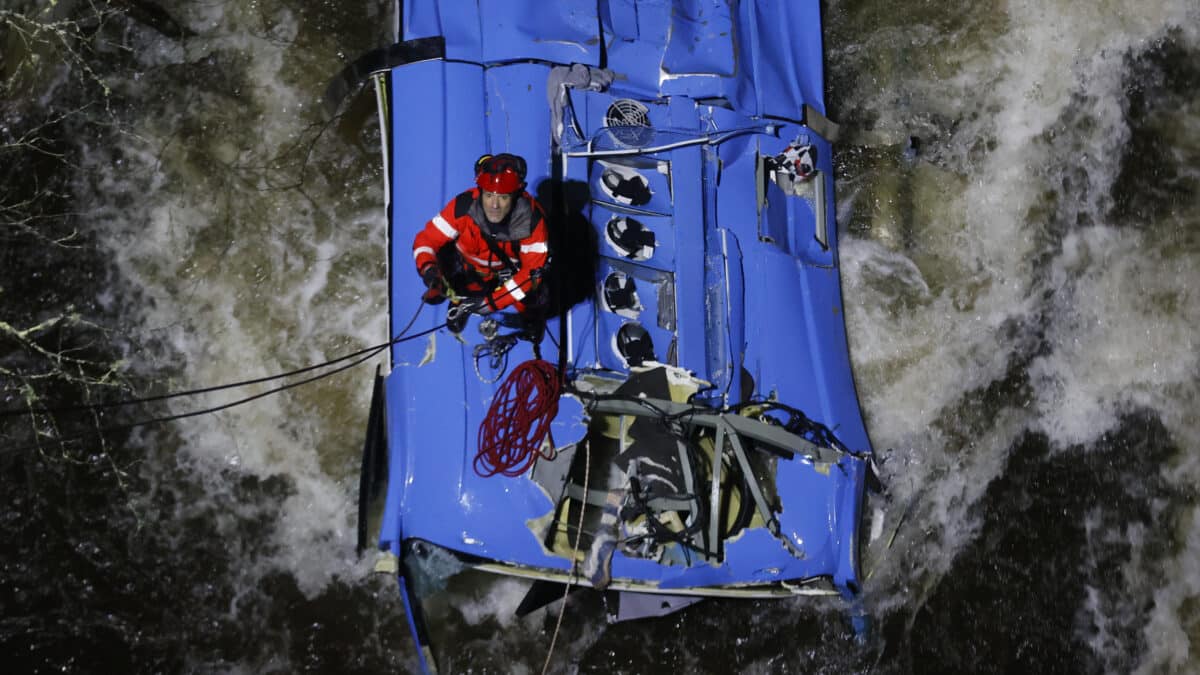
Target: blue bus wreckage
700, 434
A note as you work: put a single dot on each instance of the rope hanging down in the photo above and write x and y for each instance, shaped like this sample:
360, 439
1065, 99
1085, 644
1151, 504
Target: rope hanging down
511, 435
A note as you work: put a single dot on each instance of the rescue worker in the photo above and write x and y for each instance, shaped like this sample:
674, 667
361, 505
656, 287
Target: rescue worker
487, 248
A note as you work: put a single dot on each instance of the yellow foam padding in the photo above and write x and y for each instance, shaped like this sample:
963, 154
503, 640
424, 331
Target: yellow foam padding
609, 426
564, 538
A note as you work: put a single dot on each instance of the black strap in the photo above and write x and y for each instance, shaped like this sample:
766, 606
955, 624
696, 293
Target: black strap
378, 60
494, 247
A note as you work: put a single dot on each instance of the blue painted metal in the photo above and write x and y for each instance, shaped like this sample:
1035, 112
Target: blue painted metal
756, 298
766, 58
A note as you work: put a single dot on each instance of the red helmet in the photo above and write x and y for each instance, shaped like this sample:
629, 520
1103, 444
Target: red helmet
503, 173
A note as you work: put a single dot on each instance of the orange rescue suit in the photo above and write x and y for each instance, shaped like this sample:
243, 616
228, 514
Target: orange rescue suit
521, 237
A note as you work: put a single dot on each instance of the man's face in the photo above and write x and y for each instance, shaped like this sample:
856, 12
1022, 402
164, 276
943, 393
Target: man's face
496, 206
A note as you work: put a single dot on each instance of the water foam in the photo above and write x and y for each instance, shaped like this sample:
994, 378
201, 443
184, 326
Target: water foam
239, 274
995, 274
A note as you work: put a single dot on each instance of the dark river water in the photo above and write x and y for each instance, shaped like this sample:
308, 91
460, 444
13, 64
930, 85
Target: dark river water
1022, 291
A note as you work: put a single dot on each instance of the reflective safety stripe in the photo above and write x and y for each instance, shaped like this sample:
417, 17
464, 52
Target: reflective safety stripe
444, 226
494, 264
539, 247
423, 249
514, 290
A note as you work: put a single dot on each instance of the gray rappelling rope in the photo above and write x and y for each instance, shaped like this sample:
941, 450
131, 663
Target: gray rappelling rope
363, 354
587, 470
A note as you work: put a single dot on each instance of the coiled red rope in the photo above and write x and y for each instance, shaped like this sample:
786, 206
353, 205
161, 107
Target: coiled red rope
510, 437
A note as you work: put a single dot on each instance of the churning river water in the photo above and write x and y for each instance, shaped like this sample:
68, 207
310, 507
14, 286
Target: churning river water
1022, 291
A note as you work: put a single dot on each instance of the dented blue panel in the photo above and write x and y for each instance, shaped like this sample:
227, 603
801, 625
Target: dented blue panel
764, 57
782, 58
422, 130
700, 41
517, 119
491, 31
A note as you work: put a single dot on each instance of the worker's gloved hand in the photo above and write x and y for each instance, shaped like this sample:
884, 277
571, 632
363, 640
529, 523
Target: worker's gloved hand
456, 316
435, 283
